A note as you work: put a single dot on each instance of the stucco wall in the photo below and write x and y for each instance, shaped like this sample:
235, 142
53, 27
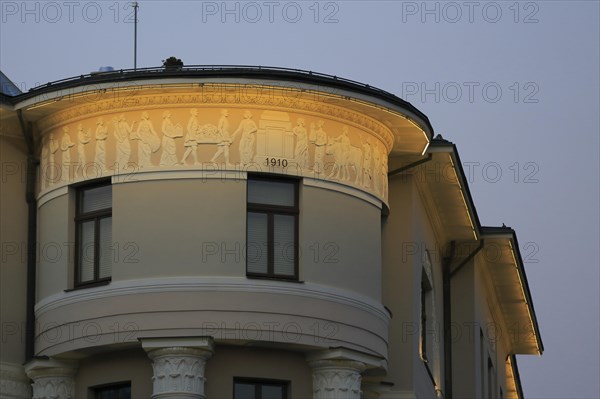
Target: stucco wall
13, 235
180, 269
230, 362
132, 366
408, 235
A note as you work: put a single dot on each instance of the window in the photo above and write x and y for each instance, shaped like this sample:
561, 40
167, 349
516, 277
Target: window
427, 319
93, 245
245, 388
272, 228
120, 391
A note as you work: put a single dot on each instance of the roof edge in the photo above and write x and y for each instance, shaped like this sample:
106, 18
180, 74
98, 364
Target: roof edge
511, 234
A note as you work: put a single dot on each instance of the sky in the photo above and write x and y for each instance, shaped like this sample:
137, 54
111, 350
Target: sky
515, 84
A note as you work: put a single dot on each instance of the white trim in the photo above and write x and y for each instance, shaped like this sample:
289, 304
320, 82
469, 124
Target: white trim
161, 174
213, 284
347, 354
158, 173
52, 194
177, 342
343, 188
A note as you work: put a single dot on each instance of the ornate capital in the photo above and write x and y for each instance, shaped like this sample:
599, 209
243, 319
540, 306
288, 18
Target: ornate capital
178, 370
336, 379
52, 379
14, 384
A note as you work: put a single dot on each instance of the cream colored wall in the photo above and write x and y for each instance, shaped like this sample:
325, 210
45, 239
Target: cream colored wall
340, 236
56, 246
13, 236
109, 368
465, 340
426, 242
229, 362
407, 234
226, 363
398, 286
179, 228
487, 315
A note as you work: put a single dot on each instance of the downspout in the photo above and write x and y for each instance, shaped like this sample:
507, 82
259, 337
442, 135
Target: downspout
447, 310
468, 258
410, 166
32, 163
447, 275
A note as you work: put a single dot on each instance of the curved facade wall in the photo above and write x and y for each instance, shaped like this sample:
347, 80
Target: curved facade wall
178, 164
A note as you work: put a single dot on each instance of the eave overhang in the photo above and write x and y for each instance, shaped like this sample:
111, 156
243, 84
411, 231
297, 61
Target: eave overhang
411, 129
443, 178
504, 265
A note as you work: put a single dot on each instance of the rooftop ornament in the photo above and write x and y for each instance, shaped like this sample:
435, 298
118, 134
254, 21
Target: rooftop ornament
172, 64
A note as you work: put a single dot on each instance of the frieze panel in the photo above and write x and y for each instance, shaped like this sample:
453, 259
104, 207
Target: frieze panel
222, 96
211, 138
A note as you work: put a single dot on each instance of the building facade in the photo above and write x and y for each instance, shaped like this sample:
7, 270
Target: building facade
211, 232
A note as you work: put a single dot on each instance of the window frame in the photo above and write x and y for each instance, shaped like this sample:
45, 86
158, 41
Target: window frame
271, 211
258, 382
80, 218
114, 386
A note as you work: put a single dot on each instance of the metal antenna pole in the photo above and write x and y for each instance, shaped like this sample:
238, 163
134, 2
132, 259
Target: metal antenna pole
135, 10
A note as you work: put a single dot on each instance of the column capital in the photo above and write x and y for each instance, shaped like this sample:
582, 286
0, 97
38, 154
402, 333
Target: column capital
52, 378
337, 372
178, 366
14, 382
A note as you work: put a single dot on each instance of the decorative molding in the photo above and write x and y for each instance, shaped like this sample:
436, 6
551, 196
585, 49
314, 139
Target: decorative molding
210, 284
52, 379
52, 194
333, 379
14, 383
276, 102
178, 371
340, 188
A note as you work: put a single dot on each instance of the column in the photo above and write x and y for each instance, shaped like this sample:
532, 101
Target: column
337, 372
178, 366
14, 383
336, 379
52, 379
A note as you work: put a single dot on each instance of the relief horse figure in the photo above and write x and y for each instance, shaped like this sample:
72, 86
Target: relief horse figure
344, 161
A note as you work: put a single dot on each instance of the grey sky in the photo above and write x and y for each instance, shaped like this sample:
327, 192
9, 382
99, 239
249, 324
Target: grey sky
514, 84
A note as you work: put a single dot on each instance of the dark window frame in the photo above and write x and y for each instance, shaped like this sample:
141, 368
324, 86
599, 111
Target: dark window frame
80, 218
426, 298
111, 386
271, 211
259, 382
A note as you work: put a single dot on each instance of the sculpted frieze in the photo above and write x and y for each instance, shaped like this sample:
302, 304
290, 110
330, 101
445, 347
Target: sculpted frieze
227, 138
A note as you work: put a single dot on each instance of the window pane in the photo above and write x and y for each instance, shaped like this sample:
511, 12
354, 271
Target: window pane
272, 392
97, 198
86, 251
244, 391
105, 247
270, 192
123, 392
256, 247
284, 233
